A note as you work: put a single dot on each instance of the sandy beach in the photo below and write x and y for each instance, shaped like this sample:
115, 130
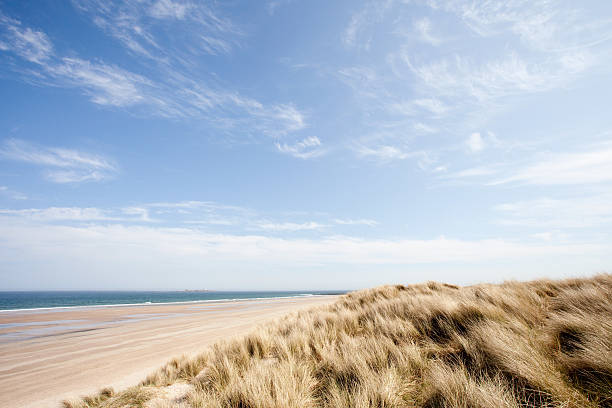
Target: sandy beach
49, 355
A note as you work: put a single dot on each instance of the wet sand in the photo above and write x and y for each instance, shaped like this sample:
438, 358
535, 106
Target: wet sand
50, 355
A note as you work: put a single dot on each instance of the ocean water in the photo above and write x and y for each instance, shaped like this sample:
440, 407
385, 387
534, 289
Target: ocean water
56, 299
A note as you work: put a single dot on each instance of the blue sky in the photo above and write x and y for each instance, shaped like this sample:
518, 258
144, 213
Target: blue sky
166, 144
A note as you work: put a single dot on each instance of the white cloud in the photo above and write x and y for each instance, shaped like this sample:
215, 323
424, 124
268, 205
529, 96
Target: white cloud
142, 213
66, 240
496, 79
59, 214
471, 172
289, 118
105, 84
62, 165
124, 247
305, 149
433, 105
585, 167
586, 211
139, 26
15, 195
521, 49
384, 152
199, 205
423, 128
362, 221
290, 226
540, 24
29, 44
423, 29
215, 46
475, 143
371, 14
169, 9
351, 31
74, 176
179, 93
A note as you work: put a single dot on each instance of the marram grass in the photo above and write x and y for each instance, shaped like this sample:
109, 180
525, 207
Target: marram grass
535, 344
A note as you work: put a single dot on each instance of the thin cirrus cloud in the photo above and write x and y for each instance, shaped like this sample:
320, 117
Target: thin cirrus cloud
587, 167
60, 165
423, 27
545, 47
361, 221
168, 89
507, 76
307, 148
104, 84
15, 195
385, 153
587, 211
190, 213
52, 214
32, 45
290, 226
137, 25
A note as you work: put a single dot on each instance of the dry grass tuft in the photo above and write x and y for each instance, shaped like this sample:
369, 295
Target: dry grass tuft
536, 344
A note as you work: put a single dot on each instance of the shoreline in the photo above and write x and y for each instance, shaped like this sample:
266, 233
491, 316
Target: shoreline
50, 355
59, 308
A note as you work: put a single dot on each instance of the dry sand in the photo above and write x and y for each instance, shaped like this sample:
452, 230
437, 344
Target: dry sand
49, 355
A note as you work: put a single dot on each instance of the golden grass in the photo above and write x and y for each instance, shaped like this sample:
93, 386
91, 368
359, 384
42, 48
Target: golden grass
536, 344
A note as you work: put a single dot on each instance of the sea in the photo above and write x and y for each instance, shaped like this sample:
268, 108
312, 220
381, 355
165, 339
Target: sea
23, 300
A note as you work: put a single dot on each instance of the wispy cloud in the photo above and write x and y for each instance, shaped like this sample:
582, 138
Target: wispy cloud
204, 214
586, 211
105, 84
61, 165
15, 195
170, 88
142, 213
387, 153
32, 45
540, 24
136, 25
525, 49
433, 105
372, 13
424, 30
586, 167
305, 149
383, 152
511, 75
290, 226
60, 214
471, 172
169, 9
361, 221
475, 142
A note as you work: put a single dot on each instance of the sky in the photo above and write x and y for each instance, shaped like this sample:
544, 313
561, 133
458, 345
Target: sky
293, 144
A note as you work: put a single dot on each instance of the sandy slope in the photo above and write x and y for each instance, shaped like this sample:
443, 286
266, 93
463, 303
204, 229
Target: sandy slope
77, 351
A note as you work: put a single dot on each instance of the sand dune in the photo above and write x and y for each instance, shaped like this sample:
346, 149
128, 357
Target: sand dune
46, 356
513, 345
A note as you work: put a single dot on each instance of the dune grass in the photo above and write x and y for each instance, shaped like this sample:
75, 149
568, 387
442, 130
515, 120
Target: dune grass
535, 344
